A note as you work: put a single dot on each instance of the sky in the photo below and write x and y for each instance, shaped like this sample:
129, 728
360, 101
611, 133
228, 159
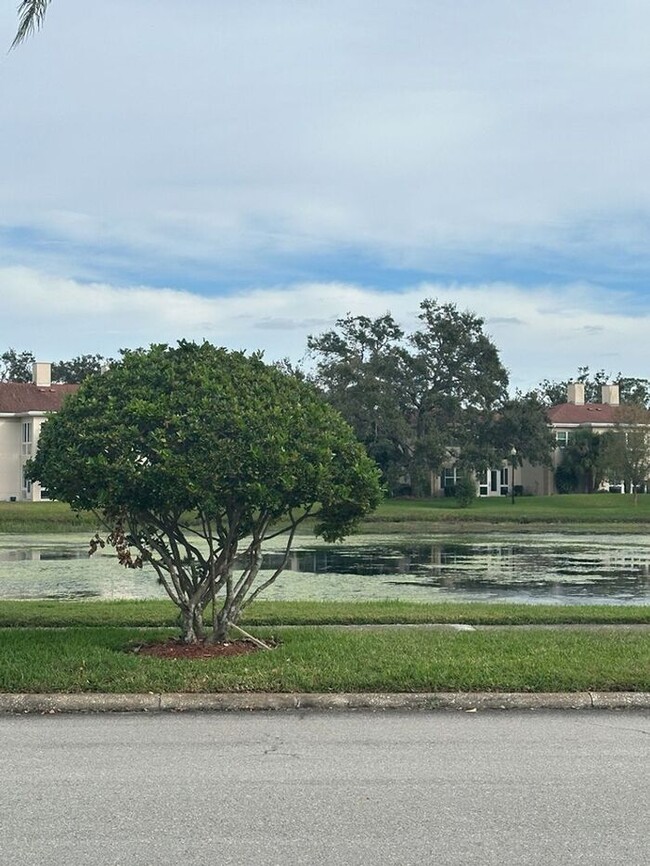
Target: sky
248, 171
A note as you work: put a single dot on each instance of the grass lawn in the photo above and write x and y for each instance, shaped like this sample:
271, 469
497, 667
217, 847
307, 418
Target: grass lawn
312, 659
614, 511
73, 646
153, 613
607, 511
23, 518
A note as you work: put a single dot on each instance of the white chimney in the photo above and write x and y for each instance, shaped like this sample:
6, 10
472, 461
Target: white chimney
575, 393
610, 395
42, 374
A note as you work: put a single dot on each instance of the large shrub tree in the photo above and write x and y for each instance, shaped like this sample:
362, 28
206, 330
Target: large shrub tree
193, 457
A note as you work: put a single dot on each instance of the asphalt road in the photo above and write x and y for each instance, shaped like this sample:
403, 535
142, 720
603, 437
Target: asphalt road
326, 788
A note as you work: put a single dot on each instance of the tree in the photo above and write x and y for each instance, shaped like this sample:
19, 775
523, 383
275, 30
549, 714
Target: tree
31, 14
520, 423
583, 465
77, 369
360, 367
16, 366
414, 400
193, 457
626, 452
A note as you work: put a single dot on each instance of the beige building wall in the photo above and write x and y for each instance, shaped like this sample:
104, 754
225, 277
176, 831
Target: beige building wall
10, 462
537, 480
14, 453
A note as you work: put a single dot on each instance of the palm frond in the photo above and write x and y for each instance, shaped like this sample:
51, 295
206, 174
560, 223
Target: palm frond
30, 17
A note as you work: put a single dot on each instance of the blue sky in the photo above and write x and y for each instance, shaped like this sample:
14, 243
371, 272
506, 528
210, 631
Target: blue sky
249, 171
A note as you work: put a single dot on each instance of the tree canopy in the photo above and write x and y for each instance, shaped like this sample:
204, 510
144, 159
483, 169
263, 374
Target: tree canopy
520, 423
415, 400
16, 366
193, 457
626, 449
582, 467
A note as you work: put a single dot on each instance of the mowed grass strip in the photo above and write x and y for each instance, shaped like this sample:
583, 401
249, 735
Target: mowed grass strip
311, 659
26, 518
409, 515
574, 509
163, 613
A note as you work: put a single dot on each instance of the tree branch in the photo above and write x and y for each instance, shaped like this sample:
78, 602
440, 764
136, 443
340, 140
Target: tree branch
31, 14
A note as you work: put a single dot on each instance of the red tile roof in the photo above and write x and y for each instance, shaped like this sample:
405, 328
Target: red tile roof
19, 397
588, 413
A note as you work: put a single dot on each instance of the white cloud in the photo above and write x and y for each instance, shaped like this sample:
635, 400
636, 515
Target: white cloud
414, 130
544, 332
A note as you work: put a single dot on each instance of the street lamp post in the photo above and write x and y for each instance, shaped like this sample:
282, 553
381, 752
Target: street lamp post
513, 455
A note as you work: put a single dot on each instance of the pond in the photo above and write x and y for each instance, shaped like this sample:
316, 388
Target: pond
567, 569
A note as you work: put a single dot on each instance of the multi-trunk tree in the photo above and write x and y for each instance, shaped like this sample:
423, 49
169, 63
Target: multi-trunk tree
192, 458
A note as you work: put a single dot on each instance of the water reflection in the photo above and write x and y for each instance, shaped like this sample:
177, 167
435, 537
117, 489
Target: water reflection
534, 568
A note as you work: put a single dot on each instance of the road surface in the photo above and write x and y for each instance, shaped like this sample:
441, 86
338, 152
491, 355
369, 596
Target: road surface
326, 788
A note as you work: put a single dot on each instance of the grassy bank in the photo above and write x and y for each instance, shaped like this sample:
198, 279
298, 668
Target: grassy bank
602, 512
320, 660
163, 613
26, 518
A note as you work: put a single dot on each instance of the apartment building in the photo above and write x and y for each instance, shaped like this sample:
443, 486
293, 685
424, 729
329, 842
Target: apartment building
23, 409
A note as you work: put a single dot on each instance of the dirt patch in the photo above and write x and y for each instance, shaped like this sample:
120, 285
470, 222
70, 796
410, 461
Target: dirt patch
175, 649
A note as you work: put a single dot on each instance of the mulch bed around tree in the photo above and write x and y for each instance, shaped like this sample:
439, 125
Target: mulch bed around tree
175, 649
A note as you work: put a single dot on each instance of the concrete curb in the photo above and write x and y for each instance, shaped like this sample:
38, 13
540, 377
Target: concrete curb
252, 702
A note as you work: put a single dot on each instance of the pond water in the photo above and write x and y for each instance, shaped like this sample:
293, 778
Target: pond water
538, 568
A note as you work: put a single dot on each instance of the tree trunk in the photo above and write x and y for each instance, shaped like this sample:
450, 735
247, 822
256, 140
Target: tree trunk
192, 624
220, 625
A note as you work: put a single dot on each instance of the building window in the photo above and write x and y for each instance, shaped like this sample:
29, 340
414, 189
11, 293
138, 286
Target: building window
562, 438
27, 484
448, 477
26, 438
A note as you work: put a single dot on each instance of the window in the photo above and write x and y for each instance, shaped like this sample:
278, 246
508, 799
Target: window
561, 438
448, 477
26, 438
27, 484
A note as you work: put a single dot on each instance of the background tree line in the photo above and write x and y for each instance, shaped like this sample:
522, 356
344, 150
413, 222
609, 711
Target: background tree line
16, 366
436, 396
